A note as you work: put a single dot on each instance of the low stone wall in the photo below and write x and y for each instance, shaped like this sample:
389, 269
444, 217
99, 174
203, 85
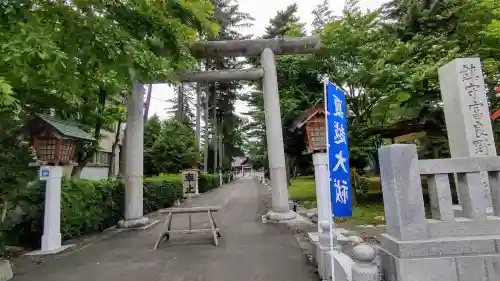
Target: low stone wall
443, 247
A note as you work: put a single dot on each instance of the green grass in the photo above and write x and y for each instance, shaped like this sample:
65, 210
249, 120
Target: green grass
303, 190
365, 213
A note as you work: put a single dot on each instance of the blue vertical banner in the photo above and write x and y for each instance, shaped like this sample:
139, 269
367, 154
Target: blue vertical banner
337, 149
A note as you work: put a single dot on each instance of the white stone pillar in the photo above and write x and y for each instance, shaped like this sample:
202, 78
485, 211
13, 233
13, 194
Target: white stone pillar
134, 152
51, 238
280, 208
321, 176
467, 115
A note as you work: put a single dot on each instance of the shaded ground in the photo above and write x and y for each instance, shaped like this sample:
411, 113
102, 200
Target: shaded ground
249, 250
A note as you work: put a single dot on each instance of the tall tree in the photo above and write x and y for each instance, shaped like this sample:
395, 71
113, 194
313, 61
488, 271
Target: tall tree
284, 22
322, 16
222, 95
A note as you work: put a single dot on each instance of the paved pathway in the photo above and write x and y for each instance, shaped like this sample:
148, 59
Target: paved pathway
249, 249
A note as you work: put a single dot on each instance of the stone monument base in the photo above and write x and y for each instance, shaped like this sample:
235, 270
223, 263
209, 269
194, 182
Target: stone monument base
444, 259
281, 217
458, 211
142, 223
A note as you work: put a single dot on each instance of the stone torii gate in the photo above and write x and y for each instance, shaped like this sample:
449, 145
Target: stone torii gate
267, 49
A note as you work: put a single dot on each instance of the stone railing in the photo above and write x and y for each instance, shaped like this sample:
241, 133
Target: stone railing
442, 247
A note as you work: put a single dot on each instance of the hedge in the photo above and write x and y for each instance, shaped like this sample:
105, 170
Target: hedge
86, 206
208, 182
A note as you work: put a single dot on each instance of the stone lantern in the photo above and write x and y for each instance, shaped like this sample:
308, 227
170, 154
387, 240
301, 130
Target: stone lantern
55, 144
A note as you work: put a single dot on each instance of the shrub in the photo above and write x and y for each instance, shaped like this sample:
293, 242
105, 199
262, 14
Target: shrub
86, 206
161, 192
208, 182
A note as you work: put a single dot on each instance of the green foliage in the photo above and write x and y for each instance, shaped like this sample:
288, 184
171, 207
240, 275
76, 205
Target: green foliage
386, 62
174, 148
208, 182
161, 192
73, 58
86, 206
285, 22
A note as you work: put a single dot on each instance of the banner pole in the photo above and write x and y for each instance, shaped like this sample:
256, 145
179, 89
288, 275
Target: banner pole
331, 215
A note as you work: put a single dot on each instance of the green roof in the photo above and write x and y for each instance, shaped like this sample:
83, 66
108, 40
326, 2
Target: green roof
66, 128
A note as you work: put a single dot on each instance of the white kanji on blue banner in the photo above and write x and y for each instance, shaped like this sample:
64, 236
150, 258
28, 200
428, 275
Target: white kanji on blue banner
338, 152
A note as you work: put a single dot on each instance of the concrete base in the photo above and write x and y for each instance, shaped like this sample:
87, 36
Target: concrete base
49, 252
342, 264
5, 270
134, 224
445, 259
457, 211
144, 227
322, 257
341, 239
477, 267
279, 217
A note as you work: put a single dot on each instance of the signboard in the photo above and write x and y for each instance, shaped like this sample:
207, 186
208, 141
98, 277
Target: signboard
190, 181
44, 173
337, 149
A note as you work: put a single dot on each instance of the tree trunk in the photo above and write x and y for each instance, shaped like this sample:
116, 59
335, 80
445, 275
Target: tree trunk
215, 135
221, 141
148, 102
116, 142
205, 156
76, 172
198, 116
354, 200
90, 151
123, 158
180, 102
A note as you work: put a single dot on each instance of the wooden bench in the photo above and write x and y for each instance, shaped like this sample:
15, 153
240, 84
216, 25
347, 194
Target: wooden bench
167, 226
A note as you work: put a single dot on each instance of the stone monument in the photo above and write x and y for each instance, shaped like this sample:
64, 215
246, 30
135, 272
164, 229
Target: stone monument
467, 115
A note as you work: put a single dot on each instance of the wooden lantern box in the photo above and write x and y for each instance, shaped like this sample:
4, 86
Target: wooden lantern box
313, 121
55, 140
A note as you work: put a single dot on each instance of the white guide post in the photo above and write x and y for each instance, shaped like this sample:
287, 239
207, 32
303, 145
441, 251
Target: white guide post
51, 238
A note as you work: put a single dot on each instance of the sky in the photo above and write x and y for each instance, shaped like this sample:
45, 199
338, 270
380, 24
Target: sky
262, 11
